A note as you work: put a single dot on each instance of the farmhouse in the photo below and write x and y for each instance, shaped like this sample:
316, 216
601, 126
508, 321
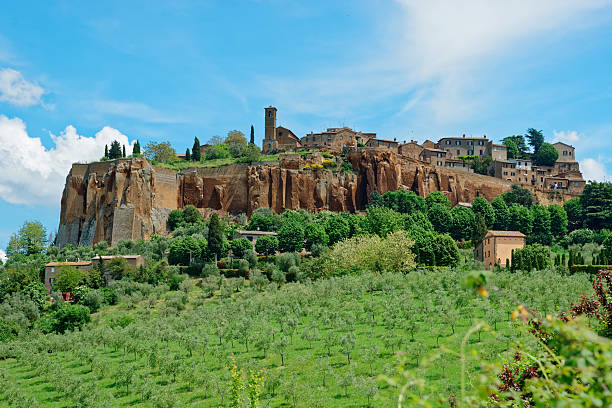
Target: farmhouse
497, 246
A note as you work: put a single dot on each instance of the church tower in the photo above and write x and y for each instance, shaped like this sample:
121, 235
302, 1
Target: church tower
270, 143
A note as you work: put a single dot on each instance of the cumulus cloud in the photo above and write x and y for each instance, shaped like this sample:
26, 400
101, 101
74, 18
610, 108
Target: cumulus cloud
32, 174
16, 90
3, 257
593, 169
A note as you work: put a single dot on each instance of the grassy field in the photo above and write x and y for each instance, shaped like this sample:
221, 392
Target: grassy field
320, 344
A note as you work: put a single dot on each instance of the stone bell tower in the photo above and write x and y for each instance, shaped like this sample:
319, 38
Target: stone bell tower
270, 143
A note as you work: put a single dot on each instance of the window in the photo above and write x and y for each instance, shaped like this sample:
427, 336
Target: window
458, 152
565, 152
439, 155
53, 269
269, 113
470, 143
51, 281
505, 173
280, 133
512, 173
481, 152
341, 137
250, 238
481, 143
439, 163
328, 137
470, 152
458, 142
447, 142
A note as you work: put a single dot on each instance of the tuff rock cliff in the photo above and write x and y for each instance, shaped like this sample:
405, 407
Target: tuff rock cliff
131, 199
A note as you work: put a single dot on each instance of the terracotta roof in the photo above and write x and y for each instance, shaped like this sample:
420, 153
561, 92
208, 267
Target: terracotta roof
80, 263
505, 234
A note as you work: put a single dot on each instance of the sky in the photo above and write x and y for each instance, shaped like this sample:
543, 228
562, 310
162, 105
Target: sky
76, 75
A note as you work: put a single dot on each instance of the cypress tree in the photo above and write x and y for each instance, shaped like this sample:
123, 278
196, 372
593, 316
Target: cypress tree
563, 259
136, 149
195, 151
507, 263
570, 261
123, 151
252, 141
215, 236
187, 155
115, 150
106, 151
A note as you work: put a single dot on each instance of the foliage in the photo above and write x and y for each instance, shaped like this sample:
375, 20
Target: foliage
196, 154
382, 221
405, 202
502, 214
535, 138
520, 219
68, 278
184, 250
291, 236
68, 317
160, 152
541, 230
434, 249
267, 245
337, 228
575, 213
596, 202
547, 155
531, 257
375, 199
240, 246
437, 197
29, 240
558, 220
264, 219
519, 195
440, 217
215, 237
175, 219
136, 149
115, 150
517, 149
462, 223
314, 233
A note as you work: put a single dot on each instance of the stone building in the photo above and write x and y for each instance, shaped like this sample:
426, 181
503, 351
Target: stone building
411, 149
391, 145
52, 268
252, 236
336, 138
437, 157
463, 146
497, 246
277, 138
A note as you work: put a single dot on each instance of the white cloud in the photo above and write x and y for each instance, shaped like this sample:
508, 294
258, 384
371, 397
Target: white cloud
16, 90
446, 54
567, 136
32, 174
3, 257
593, 169
135, 110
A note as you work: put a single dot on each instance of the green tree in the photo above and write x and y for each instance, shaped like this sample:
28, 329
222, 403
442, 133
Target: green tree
69, 317
596, 202
519, 142
136, 149
511, 148
291, 236
252, 153
382, 221
196, 154
558, 220
115, 150
405, 202
376, 199
264, 219
252, 138
521, 219
483, 207
575, 214
68, 278
437, 197
175, 219
535, 139
519, 195
215, 237
314, 233
462, 223
502, 214
480, 229
236, 136
440, 217
547, 155
267, 245
337, 229
240, 246
191, 215
123, 152
184, 250
106, 151
541, 231
160, 152
30, 239
187, 155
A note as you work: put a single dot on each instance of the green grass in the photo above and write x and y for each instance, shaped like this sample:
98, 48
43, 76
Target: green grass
183, 165
374, 303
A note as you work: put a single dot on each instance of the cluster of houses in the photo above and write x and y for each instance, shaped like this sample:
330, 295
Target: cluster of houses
448, 152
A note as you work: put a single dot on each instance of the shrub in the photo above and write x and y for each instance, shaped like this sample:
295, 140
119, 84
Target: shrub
240, 246
251, 257
244, 267
210, 269
286, 260
267, 245
93, 299
69, 317
531, 257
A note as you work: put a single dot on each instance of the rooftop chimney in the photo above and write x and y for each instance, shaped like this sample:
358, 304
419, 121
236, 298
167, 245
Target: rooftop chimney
464, 135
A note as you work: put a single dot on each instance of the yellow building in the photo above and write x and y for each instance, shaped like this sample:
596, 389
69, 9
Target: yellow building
497, 246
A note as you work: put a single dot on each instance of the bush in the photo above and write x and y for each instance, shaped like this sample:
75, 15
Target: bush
267, 245
210, 269
240, 246
251, 257
531, 257
92, 299
69, 317
244, 267
589, 269
286, 260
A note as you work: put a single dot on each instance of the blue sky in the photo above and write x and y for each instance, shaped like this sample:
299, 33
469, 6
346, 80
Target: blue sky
73, 77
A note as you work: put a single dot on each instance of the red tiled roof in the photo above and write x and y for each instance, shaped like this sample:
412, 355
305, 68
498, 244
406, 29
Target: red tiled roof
80, 263
505, 234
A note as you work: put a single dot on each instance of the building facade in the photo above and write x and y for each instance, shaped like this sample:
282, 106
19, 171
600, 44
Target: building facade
497, 246
463, 146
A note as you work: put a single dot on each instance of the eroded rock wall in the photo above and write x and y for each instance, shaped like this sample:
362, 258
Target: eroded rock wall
131, 199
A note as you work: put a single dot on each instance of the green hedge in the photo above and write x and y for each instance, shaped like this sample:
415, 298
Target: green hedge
591, 269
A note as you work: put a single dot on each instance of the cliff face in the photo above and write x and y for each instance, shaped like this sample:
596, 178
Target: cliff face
131, 199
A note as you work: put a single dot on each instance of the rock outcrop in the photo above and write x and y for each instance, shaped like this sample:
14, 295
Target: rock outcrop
131, 199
